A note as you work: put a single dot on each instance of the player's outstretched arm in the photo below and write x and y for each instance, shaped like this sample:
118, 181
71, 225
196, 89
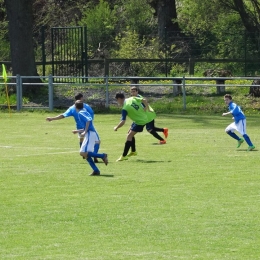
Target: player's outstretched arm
225, 114
55, 118
122, 122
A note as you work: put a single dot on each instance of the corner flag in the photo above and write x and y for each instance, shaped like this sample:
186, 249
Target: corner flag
4, 73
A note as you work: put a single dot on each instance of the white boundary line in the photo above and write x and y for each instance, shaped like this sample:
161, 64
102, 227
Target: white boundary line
32, 147
41, 154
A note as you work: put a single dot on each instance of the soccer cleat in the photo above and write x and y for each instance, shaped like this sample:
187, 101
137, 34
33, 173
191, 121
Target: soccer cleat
122, 158
94, 173
132, 154
250, 148
96, 160
162, 142
239, 142
165, 132
105, 160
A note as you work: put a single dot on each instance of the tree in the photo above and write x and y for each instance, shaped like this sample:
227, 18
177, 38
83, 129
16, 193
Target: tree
166, 13
5, 46
100, 21
137, 16
249, 12
20, 18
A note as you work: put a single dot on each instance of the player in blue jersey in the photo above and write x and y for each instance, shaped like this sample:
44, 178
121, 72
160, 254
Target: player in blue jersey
89, 133
239, 123
71, 111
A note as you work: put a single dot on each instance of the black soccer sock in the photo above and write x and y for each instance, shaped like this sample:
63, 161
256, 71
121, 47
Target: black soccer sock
133, 145
156, 135
157, 129
127, 147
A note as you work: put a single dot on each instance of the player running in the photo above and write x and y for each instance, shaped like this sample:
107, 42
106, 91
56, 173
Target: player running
239, 124
152, 128
71, 111
133, 108
89, 134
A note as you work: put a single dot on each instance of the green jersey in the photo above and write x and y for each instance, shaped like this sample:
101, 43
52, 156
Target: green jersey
133, 107
150, 114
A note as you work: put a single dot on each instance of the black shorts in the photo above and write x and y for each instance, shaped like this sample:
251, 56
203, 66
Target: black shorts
137, 128
150, 126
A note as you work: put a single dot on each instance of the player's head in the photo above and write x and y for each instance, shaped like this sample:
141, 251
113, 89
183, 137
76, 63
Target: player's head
79, 105
120, 98
79, 96
134, 91
227, 98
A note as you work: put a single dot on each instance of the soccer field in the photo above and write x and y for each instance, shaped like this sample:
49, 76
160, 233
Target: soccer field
197, 197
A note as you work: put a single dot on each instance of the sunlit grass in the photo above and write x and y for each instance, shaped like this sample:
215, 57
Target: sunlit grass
197, 197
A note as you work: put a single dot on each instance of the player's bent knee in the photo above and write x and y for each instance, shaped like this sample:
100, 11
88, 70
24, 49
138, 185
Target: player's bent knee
84, 154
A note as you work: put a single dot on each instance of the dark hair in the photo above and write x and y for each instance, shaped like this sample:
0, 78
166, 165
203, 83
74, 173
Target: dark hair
78, 96
79, 104
228, 96
134, 88
119, 95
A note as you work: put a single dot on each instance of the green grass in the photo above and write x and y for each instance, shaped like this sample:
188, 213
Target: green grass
197, 197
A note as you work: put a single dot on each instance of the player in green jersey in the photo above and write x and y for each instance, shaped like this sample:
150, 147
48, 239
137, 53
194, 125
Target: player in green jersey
133, 108
150, 127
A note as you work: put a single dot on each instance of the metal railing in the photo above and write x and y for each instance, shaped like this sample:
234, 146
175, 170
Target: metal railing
107, 82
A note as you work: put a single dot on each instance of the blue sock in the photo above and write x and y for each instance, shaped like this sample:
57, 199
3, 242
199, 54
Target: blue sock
233, 135
248, 140
92, 164
96, 155
96, 147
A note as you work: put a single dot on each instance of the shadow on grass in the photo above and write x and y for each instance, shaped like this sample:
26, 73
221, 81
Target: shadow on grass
245, 150
157, 143
147, 161
105, 175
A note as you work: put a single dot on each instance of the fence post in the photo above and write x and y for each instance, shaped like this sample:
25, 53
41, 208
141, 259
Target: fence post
19, 95
191, 66
43, 50
107, 94
177, 87
184, 93
50, 88
106, 61
18, 92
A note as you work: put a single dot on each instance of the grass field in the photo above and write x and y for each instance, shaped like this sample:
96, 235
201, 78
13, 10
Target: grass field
197, 197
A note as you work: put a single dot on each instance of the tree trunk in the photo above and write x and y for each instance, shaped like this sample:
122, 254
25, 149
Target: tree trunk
246, 17
166, 12
20, 18
250, 19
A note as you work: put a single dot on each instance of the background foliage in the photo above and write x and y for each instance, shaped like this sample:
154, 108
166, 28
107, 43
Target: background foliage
215, 29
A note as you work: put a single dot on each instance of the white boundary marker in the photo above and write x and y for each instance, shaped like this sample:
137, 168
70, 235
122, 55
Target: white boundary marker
41, 154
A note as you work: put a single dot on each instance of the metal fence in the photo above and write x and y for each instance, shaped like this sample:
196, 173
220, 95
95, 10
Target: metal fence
178, 85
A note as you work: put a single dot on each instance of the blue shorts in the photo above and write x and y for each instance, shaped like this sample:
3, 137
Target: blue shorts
137, 128
150, 126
